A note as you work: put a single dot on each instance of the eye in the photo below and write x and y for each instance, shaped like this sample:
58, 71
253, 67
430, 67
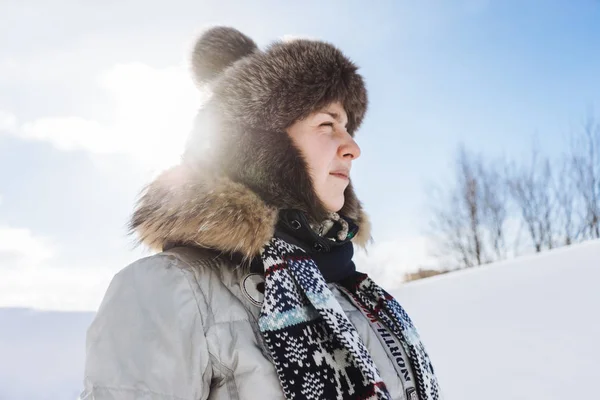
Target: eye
327, 124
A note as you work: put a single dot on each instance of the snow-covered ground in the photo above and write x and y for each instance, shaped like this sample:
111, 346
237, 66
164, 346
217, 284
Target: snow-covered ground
522, 329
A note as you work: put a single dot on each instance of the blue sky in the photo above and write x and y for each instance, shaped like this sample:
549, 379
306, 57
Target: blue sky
95, 98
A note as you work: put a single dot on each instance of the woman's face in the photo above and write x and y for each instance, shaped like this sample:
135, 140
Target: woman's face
328, 150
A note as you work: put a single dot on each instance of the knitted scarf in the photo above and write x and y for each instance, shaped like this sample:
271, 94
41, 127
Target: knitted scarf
316, 350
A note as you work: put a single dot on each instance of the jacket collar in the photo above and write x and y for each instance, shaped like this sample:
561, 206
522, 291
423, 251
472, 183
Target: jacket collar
294, 227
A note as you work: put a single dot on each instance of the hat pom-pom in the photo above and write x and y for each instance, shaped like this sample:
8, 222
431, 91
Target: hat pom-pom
216, 49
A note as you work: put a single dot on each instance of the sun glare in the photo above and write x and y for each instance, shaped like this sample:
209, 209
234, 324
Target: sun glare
154, 111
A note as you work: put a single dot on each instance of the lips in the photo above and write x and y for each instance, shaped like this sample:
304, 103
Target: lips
342, 174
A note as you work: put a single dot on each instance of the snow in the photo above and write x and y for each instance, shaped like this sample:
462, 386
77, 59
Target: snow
521, 329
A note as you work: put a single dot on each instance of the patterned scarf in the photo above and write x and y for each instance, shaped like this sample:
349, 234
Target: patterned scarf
317, 352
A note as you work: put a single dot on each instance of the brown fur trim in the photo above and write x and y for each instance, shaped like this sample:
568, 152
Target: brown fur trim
188, 208
363, 238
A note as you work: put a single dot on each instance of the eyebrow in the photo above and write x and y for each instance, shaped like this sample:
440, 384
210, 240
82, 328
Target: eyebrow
334, 115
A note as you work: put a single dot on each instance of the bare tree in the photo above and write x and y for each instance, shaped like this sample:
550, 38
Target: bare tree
585, 158
567, 205
470, 196
495, 204
468, 217
531, 190
487, 207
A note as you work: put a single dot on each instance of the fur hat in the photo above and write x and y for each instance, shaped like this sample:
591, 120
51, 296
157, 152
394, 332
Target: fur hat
255, 96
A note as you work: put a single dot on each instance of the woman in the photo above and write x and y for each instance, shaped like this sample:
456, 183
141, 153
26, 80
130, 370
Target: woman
254, 294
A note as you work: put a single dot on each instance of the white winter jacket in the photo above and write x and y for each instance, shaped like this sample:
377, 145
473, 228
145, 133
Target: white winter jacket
181, 325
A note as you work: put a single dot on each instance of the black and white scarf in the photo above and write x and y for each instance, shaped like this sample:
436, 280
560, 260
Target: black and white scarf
318, 354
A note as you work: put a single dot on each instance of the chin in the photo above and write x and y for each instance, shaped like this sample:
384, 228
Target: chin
335, 205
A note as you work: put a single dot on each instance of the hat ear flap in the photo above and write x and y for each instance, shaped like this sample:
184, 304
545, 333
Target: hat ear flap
216, 49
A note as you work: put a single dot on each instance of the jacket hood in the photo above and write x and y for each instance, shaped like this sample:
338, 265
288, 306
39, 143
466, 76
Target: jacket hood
199, 207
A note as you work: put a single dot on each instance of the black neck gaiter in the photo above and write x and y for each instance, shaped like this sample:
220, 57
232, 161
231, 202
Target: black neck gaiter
333, 257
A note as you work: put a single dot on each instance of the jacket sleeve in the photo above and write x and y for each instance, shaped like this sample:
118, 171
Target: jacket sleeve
147, 340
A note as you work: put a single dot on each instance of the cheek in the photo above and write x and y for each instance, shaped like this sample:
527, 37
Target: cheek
319, 160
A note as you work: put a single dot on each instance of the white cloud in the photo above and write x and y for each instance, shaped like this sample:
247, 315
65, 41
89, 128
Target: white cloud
30, 275
54, 288
8, 122
71, 133
153, 115
25, 279
20, 248
388, 261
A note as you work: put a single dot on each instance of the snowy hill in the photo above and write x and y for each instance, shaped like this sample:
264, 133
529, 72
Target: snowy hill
523, 329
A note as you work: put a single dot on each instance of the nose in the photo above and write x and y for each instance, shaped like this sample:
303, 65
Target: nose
349, 149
